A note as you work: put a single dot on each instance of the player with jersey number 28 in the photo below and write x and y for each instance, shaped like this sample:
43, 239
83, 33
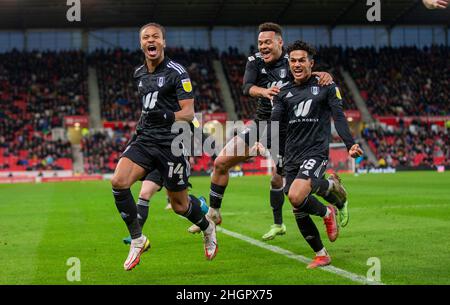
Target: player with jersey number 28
166, 92
266, 72
307, 109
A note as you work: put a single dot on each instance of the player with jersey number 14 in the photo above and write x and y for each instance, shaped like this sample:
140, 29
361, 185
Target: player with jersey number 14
167, 96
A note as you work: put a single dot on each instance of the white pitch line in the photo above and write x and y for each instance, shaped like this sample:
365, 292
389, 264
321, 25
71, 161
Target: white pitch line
343, 273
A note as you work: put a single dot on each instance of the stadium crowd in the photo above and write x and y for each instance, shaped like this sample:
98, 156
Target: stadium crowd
37, 90
402, 81
101, 149
418, 144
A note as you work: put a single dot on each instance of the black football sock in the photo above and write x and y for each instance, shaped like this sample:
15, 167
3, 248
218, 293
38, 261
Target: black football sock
276, 202
216, 195
331, 198
313, 206
320, 186
142, 211
195, 215
127, 208
308, 229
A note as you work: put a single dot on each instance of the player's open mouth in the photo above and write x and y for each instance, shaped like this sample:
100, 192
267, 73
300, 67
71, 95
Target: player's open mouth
298, 72
152, 50
265, 54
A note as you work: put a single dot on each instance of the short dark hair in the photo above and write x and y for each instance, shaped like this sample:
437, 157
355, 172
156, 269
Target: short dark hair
303, 46
156, 25
271, 27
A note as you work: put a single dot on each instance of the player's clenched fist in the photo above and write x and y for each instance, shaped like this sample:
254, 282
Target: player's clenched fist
436, 4
355, 151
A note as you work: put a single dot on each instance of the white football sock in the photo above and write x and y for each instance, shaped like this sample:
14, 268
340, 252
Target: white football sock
322, 252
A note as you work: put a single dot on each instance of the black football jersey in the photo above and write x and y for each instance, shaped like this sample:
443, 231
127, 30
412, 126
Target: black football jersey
160, 90
258, 73
307, 110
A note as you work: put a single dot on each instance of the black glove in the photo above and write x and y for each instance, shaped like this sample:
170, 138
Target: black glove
164, 117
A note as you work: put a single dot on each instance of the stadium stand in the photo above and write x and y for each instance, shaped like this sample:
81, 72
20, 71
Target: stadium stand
418, 144
402, 81
102, 149
37, 89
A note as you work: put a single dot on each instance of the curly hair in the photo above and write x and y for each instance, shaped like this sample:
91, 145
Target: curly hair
303, 46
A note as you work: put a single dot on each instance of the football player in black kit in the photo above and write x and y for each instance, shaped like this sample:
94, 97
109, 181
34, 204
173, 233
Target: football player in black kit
266, 73
307, 108
166, 92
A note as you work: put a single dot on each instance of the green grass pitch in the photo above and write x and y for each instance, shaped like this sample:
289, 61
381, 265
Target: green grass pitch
403, 219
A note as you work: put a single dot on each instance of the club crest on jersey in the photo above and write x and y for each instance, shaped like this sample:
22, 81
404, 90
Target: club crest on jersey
315, 90
161, 81
187, 86
283, 73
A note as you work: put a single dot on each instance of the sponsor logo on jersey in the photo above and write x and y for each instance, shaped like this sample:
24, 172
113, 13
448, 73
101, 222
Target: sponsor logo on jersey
263, 71
289, 95
278, 84
283, 73
315, 90
306, 173
161, 81
303, 108
338, 93
140, 84
187, 86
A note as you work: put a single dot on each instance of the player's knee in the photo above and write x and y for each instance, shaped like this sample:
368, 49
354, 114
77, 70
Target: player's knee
178, 208
119, 182
296, 198
145, 194
276, 181
220, 166
148, 191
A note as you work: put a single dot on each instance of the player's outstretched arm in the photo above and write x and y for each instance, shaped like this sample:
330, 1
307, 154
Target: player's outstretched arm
187, 111
340, 121
325, 78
